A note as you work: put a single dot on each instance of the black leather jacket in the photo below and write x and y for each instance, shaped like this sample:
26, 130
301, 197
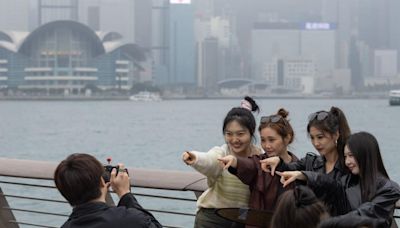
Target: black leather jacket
349, 220
345, 196
99, 215
314, 163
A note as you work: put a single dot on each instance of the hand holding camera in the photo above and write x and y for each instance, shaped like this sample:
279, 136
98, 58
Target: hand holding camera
108, 169
118, 178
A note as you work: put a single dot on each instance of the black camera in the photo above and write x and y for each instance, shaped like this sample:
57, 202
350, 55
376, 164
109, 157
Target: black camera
107, 172
108, 169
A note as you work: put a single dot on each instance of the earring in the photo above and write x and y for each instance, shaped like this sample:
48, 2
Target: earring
336, 142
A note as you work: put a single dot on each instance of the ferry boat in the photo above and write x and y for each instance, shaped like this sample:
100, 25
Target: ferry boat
394, 97
145, 96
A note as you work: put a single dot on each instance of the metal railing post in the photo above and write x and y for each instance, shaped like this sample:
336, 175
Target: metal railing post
5, 214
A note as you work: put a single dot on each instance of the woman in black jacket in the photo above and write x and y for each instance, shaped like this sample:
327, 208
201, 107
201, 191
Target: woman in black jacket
366, 191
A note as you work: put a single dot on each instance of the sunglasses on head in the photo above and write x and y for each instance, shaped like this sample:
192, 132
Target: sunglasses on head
321, 115
272, 119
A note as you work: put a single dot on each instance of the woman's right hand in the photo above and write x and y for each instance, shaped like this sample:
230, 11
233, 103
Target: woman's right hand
188, 157
227, 161
290, 176
120, 183
269, 164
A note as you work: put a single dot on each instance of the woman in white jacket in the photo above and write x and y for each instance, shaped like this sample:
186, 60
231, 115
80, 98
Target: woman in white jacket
224, 189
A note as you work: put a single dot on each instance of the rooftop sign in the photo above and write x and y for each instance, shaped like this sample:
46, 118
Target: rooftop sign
319, 26
180, 1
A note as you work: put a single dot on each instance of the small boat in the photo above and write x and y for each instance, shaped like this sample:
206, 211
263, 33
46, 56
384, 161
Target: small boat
145, 96
394, 97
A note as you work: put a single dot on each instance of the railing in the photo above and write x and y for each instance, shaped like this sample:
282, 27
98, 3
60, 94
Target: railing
40, 204
29, 197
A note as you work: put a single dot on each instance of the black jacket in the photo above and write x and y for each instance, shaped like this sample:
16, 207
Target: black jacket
314, 163
99, 215
345, 196
351, 221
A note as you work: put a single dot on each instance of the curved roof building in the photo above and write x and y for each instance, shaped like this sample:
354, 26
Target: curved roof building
67, 56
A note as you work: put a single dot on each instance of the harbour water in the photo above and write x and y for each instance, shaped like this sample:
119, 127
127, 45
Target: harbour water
154, 134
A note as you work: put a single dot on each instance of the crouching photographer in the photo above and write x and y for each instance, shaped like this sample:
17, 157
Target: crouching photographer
80, 178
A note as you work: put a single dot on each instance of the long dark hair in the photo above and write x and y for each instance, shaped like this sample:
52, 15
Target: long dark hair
243, 116
335, 122
365, 149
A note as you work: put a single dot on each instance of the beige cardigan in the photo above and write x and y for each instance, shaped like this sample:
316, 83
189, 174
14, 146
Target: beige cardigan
224, 189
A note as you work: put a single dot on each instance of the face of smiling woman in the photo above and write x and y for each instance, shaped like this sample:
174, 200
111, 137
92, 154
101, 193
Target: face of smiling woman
351, 161
272, 143
238, 138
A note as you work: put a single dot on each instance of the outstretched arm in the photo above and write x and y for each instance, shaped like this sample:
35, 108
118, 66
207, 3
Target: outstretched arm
205, 163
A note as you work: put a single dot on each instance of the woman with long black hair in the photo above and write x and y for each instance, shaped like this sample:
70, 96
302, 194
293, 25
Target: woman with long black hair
365, 191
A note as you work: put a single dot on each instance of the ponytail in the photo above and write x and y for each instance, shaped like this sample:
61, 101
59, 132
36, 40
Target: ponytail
344, 132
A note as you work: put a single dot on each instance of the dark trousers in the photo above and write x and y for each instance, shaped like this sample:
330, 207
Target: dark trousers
207, 218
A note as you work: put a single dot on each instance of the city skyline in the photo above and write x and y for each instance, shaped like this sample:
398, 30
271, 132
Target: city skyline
319, 46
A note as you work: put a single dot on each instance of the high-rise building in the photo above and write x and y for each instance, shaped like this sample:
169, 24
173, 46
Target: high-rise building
209, 63
345, 15
52, 10
93, 17
181, 44
160, 40
14, 15
312, 41
385, 63
374, 30
292, 55
142, 23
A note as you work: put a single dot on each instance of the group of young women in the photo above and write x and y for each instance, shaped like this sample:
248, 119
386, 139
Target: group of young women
347, 184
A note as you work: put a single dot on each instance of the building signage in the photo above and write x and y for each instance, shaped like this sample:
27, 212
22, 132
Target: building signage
180, 1
319, 26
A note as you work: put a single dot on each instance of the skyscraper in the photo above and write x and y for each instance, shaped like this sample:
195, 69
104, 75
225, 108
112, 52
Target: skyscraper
51, 10
181, 45
14, 15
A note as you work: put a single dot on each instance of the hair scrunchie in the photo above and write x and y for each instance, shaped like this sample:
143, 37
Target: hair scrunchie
245, 104
304, 196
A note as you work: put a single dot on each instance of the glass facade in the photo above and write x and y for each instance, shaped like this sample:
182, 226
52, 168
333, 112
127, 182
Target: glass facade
68, 56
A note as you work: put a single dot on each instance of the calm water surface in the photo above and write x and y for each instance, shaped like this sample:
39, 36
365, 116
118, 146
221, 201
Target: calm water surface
153, 135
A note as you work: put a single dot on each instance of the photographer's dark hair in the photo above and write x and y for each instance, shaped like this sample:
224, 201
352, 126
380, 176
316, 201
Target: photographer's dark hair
298, 207
365, 149
335, 121
243, 116
78, 178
